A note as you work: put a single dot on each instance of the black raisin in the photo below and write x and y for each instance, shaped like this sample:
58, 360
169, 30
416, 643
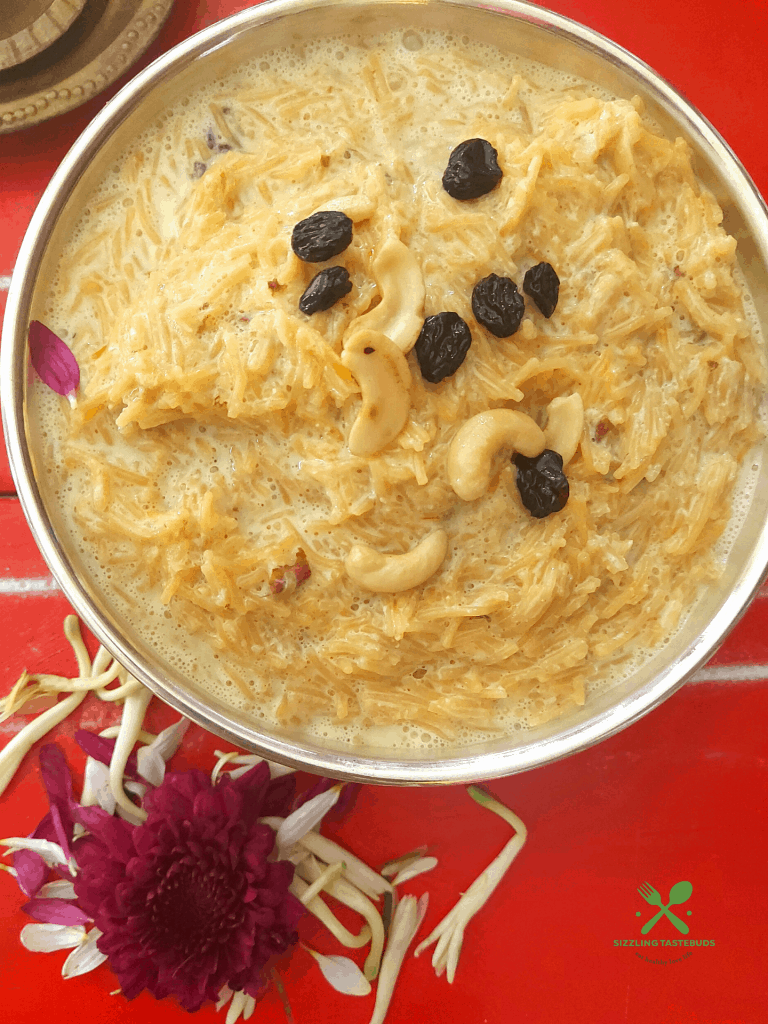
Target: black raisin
542, 484
498, 305
543, 285
321, 236
472, 170
324, 289
442, 345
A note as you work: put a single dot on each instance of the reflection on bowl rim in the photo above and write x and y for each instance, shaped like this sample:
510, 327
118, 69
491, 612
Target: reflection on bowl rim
468, 764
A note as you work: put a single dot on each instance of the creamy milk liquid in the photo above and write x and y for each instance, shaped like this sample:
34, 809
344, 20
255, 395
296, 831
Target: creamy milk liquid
420, 71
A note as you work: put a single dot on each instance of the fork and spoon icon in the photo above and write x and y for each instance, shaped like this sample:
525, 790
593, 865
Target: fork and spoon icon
679, 893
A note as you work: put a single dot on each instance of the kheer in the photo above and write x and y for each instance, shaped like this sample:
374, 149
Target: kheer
210, 445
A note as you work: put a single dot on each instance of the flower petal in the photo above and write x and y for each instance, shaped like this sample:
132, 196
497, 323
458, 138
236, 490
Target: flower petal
52, 359
96, 789
57, 780
151, 765
342, 974
31, 871
224, 996
168, 741
55, 911
47, 938
238, 773
297, 824
102, 749
322, 785
92, 818
62, 890
403, 861
85, 958
51, 853
61, 832
405, 924
235, 1007
417, 867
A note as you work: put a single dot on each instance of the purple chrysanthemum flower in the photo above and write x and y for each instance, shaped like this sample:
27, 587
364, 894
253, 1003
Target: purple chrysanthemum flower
188, 901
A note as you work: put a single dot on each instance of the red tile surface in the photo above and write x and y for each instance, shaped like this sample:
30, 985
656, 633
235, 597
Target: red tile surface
748, 643
6, 483
682, 795
19, 557
679, 795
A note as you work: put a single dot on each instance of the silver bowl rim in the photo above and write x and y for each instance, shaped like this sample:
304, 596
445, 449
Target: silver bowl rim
13, 366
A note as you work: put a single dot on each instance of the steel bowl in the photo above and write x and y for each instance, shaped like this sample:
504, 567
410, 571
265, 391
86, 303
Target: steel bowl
533, 33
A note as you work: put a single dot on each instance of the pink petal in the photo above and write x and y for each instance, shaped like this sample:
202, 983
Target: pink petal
92, 817
31, 871
101, 749
322, 784
54, 911
53, 359
302, 572
61, 834
57, 780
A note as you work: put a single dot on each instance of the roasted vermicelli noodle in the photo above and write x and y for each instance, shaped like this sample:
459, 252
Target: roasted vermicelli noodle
209, 447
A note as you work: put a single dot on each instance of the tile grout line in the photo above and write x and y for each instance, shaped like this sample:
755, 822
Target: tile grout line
730, 674
45, 585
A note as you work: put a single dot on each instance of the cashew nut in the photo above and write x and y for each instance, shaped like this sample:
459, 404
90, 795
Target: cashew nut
399, 315
565, 422
389, 574
478, 440
362, 205
382, 372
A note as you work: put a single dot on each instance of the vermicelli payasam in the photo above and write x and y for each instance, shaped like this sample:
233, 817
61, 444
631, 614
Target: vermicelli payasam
209, 448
